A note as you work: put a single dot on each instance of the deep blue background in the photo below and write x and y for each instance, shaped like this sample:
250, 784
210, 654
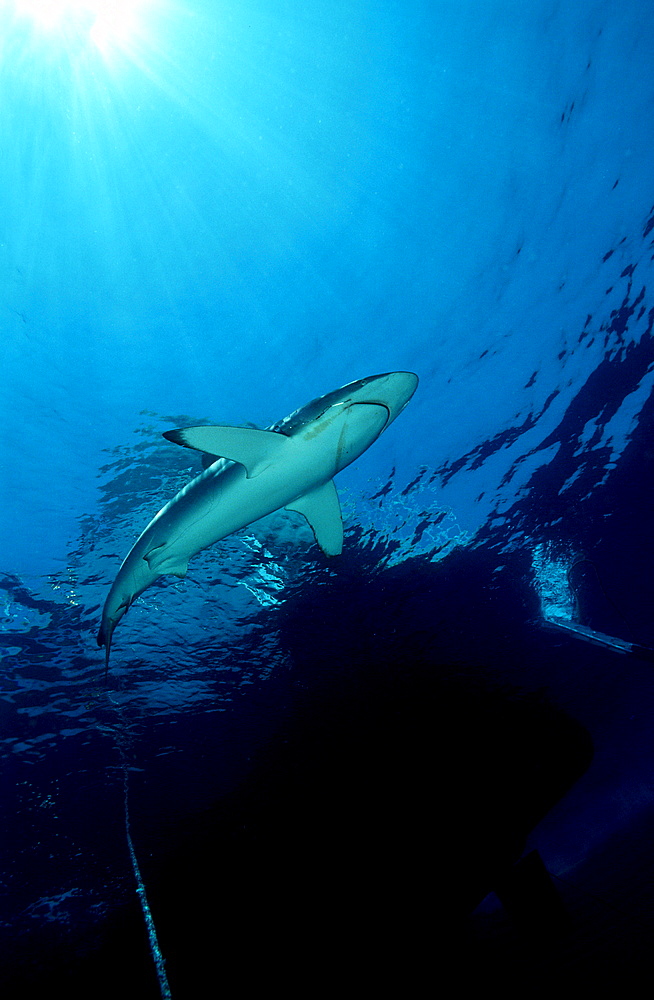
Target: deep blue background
227, 210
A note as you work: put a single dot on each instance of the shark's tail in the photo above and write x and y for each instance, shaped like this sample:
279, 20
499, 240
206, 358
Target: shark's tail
105, 633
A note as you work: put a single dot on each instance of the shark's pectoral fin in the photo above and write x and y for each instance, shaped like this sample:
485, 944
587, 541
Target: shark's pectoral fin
254, 449
322, 510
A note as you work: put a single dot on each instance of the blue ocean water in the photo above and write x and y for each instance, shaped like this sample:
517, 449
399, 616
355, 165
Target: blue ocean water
215, 213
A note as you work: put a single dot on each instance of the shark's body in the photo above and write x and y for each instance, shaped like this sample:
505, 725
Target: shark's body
290, 465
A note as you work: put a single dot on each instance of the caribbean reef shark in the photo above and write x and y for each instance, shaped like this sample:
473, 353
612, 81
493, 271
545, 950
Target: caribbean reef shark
252, 473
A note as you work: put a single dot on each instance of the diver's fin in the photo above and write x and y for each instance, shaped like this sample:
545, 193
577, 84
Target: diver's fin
601, 639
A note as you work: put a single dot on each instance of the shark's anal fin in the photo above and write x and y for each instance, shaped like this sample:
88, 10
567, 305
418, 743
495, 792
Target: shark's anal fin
254, 449
322, 510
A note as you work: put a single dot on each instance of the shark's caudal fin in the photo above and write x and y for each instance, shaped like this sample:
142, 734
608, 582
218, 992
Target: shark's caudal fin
104, 639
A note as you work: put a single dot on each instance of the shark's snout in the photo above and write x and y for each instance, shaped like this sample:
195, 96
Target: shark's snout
393, 390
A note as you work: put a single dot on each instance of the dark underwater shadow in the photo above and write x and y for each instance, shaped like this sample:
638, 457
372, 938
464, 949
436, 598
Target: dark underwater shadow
373, 824
395, 789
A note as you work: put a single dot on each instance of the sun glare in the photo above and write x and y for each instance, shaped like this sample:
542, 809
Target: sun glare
108, 25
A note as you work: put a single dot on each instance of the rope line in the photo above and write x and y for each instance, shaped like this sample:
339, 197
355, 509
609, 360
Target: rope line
158, 958
121, 741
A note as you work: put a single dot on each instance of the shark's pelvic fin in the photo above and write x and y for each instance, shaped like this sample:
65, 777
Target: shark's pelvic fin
160, 561
151, 555
254, 449
322, 509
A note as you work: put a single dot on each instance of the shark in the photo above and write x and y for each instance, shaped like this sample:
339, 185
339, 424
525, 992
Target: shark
250, 473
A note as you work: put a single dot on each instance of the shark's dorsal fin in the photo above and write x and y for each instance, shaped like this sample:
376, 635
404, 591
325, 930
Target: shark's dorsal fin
254, 449
322, 510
